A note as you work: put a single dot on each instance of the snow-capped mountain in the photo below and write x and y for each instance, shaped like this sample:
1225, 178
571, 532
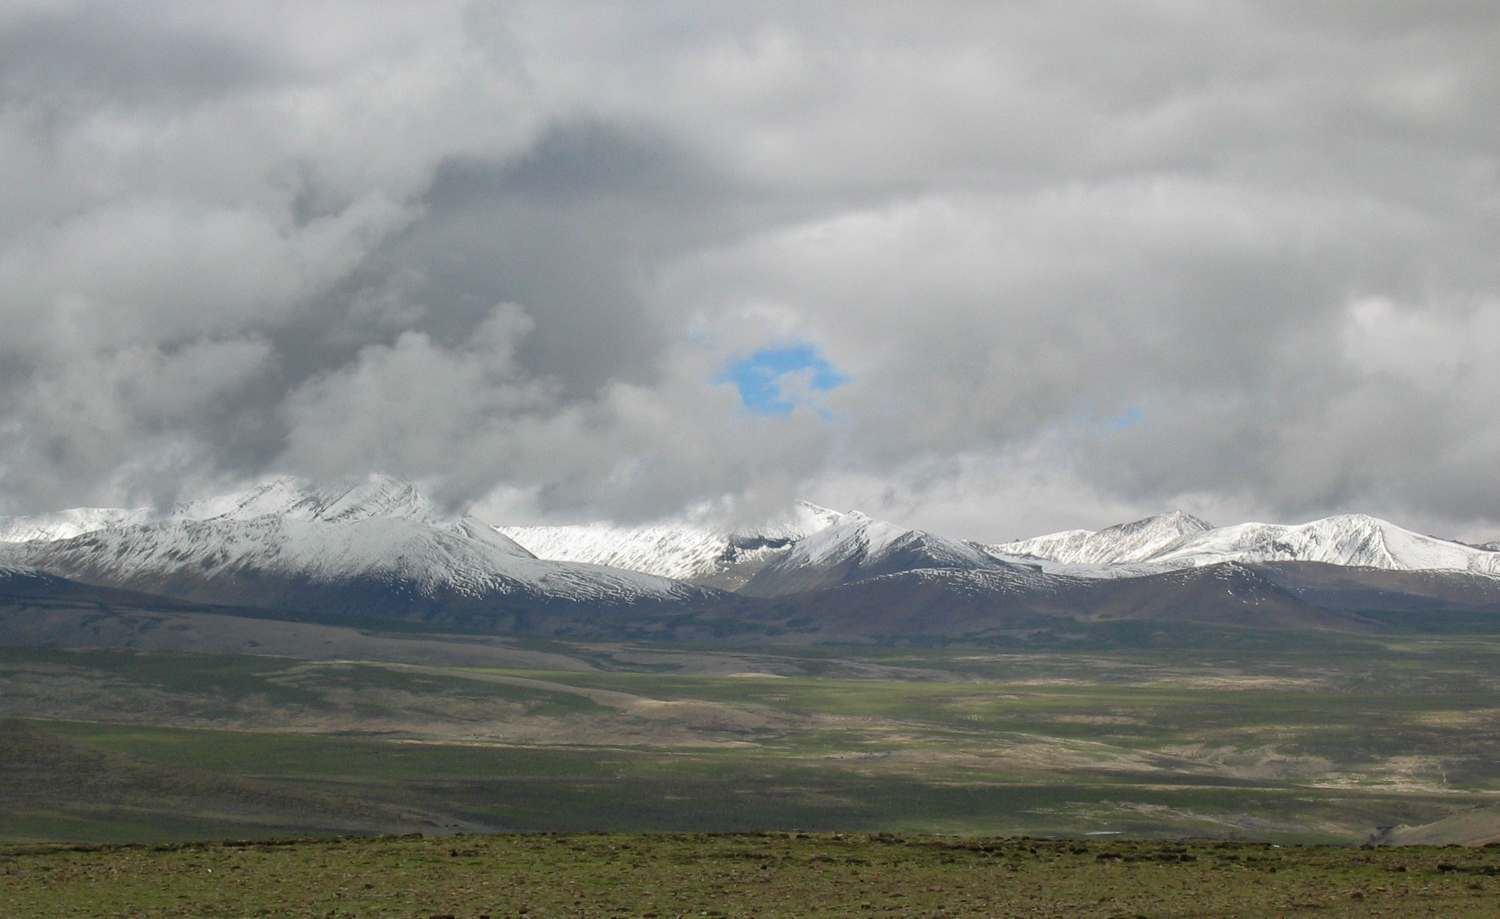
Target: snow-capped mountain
69, 523
1179, 540
1123, 543
376, 496
378, 548
856, 548
375, 544
711, 556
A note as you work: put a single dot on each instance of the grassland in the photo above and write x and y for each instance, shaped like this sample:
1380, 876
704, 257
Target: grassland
760, 875
1290, 744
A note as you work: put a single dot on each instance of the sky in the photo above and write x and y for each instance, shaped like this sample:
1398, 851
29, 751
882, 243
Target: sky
993, 269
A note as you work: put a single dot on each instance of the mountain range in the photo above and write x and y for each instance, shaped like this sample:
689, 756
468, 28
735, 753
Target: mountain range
712, 556
377, 549
1178, 540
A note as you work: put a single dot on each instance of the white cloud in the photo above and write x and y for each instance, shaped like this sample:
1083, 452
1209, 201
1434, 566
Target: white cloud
1266, 228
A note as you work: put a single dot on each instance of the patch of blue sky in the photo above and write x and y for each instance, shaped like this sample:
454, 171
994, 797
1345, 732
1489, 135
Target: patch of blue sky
1125, 419
776, 381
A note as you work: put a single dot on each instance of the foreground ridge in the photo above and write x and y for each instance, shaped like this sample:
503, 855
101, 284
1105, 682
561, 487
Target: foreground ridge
767, 874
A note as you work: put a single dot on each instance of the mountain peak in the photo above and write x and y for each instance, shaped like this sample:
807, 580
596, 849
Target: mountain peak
344, 500
1137, 541
1187, 522
857, 547
1178, 540
688, 550
1180, 523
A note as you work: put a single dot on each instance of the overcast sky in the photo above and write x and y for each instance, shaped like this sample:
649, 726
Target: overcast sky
992, 268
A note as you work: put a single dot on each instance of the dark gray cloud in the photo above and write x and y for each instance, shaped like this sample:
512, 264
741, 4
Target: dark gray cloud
572, 230
1078, 261
86, 55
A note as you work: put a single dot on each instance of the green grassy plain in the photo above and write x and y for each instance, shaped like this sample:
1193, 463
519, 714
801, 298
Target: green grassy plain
1319, 743
657, 876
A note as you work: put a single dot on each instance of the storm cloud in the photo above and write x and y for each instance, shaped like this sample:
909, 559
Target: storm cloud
1040, 265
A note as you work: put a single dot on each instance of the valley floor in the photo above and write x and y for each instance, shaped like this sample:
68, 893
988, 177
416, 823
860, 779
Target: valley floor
1292, 743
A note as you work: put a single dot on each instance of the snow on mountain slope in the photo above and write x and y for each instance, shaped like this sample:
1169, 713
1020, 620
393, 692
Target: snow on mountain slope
1348, 539
69, 523
258, 545
292, 499
857, 548
705, 555
378, 546
1180, 541
375, 496
10, 567
1140, 541
189, 556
